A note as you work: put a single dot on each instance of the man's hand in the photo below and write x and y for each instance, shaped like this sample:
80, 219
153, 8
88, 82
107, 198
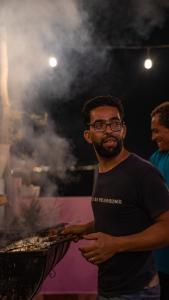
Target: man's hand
103, 247
78, 231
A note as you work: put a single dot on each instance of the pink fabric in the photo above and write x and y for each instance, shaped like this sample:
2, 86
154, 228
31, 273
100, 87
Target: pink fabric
73, 274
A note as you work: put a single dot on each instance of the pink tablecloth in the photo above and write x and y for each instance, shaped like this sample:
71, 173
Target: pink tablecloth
73, 274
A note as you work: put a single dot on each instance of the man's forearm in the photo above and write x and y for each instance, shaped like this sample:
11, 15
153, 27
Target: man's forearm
154, 237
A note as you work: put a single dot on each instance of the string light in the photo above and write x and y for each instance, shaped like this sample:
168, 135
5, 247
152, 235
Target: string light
139, 47
148, 62
53, 62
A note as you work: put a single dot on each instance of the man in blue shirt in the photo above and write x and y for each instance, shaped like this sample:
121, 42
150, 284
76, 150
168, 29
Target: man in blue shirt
160, 159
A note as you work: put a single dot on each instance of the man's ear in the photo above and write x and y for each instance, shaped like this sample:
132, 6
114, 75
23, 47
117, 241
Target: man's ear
87, 136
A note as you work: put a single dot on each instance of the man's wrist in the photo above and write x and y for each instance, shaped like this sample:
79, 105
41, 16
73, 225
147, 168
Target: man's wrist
89, 228
122, 243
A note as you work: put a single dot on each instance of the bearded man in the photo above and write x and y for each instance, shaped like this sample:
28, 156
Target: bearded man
131, 209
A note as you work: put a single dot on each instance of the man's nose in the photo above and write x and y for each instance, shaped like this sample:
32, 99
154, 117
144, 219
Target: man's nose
108, 127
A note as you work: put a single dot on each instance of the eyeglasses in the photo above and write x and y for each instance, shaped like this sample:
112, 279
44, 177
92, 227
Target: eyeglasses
101, 125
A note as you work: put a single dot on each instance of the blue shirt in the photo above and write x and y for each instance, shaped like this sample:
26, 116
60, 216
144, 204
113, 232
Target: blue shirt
161, 161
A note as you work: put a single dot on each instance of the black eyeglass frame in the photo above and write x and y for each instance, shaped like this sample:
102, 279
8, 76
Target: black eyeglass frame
110, 123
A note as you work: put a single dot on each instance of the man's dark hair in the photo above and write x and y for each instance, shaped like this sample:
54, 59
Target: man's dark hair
162, 111
101, 101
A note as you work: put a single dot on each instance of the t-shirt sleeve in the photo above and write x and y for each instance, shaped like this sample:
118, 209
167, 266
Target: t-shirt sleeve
155, 194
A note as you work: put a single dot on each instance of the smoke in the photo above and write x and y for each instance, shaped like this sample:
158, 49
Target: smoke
127, 22
36, 30
42, 157
30, 217
149, 14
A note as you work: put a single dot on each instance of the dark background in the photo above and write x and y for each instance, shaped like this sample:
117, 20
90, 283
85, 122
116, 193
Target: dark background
122, 42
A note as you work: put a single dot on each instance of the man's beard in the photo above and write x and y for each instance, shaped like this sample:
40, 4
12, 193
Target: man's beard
108, 152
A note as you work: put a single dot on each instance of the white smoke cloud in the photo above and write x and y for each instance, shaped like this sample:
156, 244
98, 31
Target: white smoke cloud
35, 30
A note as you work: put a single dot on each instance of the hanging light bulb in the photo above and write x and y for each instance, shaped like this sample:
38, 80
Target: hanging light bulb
148, 63
53, 62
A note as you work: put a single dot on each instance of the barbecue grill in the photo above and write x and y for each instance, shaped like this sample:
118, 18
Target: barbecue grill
25, 263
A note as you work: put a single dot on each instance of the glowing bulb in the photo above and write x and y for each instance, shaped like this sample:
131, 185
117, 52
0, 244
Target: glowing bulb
148, 63
53, 62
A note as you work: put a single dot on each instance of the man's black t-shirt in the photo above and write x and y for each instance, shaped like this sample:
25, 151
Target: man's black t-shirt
126, 200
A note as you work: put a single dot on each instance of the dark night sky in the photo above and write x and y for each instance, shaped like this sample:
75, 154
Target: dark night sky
140, 90
119, 72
